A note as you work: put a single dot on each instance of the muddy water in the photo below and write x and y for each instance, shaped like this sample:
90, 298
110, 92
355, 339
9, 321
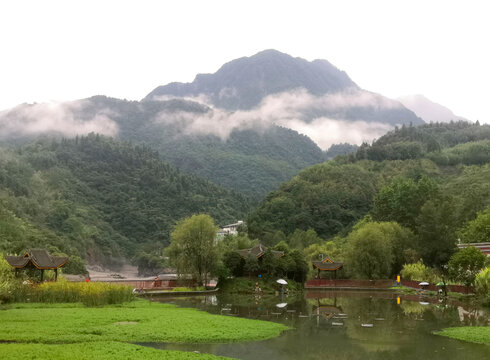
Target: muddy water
344, 325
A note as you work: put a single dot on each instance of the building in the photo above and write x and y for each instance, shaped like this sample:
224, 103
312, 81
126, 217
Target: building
231, 229
258, 251
484, 247
38, 259
328, 265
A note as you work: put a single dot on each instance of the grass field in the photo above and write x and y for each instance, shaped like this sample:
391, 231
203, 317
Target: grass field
37, 328
479, 334
95, 350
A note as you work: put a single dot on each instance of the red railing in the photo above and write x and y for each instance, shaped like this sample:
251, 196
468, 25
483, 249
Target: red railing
348, 283
452, 288
379, 284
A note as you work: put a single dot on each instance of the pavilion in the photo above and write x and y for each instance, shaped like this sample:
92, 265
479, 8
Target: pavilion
327, 264
258, 251
38, 259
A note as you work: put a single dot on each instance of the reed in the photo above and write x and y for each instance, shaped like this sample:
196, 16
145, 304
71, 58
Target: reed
89, 294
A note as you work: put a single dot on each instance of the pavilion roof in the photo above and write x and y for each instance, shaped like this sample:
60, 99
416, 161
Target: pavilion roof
40, 258
258, 251
328, 264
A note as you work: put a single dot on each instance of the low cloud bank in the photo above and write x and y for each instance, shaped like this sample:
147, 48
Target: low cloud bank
298, 110
25, 120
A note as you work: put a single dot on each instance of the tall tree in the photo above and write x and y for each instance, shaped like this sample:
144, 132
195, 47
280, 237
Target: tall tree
465, 264
374, 250
402, 200
193, 249
477, 230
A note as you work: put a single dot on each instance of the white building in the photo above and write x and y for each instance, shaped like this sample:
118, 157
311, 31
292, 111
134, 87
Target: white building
231, 229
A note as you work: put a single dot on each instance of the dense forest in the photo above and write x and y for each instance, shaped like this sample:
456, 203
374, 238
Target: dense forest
250, 161
432, 181
95, 198
100, 199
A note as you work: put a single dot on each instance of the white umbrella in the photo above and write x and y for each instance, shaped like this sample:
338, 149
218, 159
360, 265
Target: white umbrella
282, 282
424, 283
281, 305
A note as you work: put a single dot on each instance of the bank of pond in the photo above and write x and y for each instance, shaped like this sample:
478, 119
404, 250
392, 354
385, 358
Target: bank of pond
243, 324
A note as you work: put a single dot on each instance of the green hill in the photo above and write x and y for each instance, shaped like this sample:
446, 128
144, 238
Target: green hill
101, 199
433, 191
252, 162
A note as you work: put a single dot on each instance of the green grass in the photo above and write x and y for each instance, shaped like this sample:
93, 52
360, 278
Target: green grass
61, 331
95, 350
478, 334
140, 321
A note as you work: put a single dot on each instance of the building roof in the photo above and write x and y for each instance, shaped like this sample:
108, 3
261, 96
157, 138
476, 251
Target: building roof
258, 251
40, 258
240, 222
484, 247
327, 264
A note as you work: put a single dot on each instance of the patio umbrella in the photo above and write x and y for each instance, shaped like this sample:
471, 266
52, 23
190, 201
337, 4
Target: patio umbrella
281, 281
424, 283
440, 284
281, 305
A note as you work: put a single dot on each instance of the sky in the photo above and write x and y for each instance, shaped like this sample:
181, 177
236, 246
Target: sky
58, 50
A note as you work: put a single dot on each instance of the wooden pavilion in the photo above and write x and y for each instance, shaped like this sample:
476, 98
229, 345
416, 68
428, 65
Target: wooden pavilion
258, 251
327, 264
38, 259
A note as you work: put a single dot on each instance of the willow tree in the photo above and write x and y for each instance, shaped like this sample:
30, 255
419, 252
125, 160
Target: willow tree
193, 247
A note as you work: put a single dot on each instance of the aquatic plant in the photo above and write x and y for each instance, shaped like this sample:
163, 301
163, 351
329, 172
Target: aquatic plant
89, 294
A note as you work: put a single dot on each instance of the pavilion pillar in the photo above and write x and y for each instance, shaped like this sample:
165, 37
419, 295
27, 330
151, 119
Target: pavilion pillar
42, 275
56, 274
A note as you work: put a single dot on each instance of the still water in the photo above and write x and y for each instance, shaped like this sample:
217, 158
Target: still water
344, 325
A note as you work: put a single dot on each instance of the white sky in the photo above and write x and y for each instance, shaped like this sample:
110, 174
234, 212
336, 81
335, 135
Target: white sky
66, 50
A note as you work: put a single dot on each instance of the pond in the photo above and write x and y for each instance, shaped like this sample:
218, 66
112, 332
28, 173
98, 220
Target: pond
344, 325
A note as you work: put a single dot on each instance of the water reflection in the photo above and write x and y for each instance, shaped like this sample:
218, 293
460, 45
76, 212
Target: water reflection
344, 325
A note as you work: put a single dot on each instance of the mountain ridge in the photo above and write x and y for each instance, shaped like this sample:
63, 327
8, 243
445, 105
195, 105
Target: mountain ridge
245, 83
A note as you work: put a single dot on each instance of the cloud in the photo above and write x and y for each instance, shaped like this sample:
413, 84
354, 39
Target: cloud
34, 119
326, 132
298, 110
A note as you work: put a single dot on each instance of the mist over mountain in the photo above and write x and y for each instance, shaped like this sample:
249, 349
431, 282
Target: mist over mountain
428, 110
241, 84
309, 90
246, 155
253, 124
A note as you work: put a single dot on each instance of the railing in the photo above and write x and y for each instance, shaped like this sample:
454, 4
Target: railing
348, 283
380, 284
452, 288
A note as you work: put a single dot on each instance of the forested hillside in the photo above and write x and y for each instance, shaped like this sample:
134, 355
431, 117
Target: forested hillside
100, 199
187, 134
432, 180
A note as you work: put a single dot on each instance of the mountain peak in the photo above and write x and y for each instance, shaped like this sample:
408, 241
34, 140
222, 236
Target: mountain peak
243, 83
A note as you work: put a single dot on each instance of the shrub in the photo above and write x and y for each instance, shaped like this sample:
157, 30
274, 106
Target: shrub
417, 272
8, 282
465, 264
482, 282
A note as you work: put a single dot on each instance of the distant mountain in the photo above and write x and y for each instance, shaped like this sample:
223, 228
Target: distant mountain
246, 83
243, 83
190, 135
240, 127
427, 109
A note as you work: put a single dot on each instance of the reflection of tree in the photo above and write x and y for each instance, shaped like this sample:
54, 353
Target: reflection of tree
401, 336
412, 308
